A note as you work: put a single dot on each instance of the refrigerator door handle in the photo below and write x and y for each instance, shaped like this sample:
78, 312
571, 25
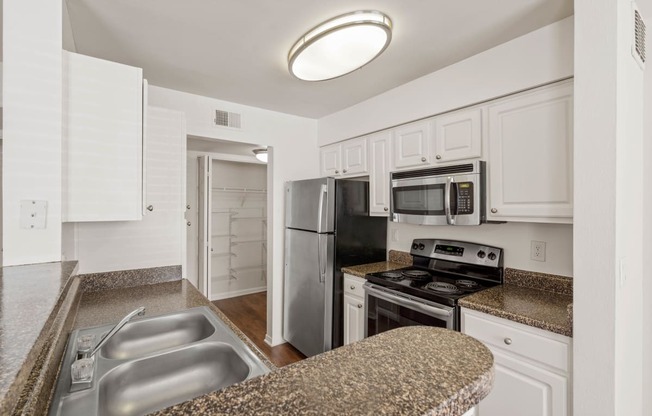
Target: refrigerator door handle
321, 247
320, 215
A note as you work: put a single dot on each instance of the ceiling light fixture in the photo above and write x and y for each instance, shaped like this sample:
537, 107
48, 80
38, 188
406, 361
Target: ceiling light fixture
261, 154
340, 45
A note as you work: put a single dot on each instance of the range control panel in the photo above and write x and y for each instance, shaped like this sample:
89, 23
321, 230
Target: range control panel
459, 251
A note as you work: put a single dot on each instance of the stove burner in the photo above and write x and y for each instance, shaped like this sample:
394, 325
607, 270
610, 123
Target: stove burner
394, 276
416, 274
441, 287
466, 284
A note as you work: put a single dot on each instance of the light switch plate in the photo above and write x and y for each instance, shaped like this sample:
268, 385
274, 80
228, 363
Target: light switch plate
33, 214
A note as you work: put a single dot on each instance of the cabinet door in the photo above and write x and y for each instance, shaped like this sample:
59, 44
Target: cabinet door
102, 140
354, 156
379, 174
521, 388
353, 319
329, 157
410, 145
531, 156
458, 135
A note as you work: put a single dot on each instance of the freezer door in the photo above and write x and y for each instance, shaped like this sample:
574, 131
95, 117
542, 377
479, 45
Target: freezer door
310, 205
308, 291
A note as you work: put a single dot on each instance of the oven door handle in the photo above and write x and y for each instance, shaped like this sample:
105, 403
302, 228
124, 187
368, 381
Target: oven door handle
407, 303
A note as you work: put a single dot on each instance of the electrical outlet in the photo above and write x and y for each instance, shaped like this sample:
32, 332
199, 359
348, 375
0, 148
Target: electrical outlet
538, 250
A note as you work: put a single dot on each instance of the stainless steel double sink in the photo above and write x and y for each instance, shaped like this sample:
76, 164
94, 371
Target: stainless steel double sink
154, 363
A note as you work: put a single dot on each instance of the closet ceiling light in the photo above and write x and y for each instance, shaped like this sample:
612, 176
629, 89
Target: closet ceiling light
340, 45
261, 154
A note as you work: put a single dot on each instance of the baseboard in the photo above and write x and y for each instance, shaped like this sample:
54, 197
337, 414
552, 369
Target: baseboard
234, 293
268, 340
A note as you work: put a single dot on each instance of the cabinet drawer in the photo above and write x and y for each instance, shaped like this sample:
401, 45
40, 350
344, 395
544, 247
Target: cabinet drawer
533, 343
353, 285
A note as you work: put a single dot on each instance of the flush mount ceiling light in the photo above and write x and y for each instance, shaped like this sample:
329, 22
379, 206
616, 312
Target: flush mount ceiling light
261, 154
340, 45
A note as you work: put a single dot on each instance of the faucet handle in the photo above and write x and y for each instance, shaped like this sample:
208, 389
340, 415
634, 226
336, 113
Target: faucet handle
85, 343
81, 371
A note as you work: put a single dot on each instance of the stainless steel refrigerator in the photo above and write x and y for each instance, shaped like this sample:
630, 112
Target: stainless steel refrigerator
327, 227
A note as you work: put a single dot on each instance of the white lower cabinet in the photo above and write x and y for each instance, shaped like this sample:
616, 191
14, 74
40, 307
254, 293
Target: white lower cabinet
532, 367
353, 308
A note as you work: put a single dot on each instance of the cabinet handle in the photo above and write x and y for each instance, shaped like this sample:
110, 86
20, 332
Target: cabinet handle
337, 171
423, 159
386, 209
438, 157
343, 170
352, 287
359, 305
188, 224
508, 341
494, 210
150, 208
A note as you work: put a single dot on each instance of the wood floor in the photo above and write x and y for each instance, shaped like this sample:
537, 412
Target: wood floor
249, 313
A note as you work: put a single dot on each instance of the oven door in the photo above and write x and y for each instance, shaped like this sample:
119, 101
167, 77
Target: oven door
386, 309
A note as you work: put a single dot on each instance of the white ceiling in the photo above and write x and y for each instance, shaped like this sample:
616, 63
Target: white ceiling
237, 50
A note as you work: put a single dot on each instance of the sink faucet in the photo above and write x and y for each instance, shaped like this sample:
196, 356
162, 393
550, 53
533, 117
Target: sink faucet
138, 312
81, 371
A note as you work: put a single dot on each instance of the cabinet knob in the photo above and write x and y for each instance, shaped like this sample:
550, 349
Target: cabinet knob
337, 171
385, 209
188, 224
508, 341
359, 305
352, 287
188, 206
343, 170
494, 210
423, 159
150, 208
438, 157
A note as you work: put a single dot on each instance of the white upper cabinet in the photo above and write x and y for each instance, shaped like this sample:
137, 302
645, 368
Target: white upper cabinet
103, 140
530, 159
379, 174
457, 135
344, 159
329, 160
411, 145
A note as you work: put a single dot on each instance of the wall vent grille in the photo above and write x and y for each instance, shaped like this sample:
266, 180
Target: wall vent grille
227, 119
638, 45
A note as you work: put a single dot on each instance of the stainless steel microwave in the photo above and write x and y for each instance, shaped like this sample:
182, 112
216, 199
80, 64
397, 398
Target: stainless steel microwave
444, 195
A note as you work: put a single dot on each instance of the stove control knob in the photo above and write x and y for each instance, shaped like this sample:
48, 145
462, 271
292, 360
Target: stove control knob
421, 246
481, 254
492, 256
415, 246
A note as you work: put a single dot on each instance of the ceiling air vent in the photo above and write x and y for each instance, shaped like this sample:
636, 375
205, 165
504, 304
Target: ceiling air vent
638, 44
227, 119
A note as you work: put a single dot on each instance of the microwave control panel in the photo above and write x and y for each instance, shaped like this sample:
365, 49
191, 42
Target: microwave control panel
464, 198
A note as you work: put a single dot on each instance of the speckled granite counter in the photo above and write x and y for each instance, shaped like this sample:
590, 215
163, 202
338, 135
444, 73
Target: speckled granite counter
410, 370
363, 269
521, 299
31, 299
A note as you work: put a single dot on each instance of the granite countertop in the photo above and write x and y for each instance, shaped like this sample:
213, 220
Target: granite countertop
409, 370
363, 269
534, 299
31, 297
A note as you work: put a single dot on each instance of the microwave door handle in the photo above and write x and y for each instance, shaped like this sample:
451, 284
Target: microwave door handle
447, 201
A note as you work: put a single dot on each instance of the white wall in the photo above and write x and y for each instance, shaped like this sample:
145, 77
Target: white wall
514, 238
608, 322
537, 58
293, 155
32, 97
646, 10
159, 238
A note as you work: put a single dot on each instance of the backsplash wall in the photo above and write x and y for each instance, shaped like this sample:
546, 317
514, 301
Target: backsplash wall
514, 238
